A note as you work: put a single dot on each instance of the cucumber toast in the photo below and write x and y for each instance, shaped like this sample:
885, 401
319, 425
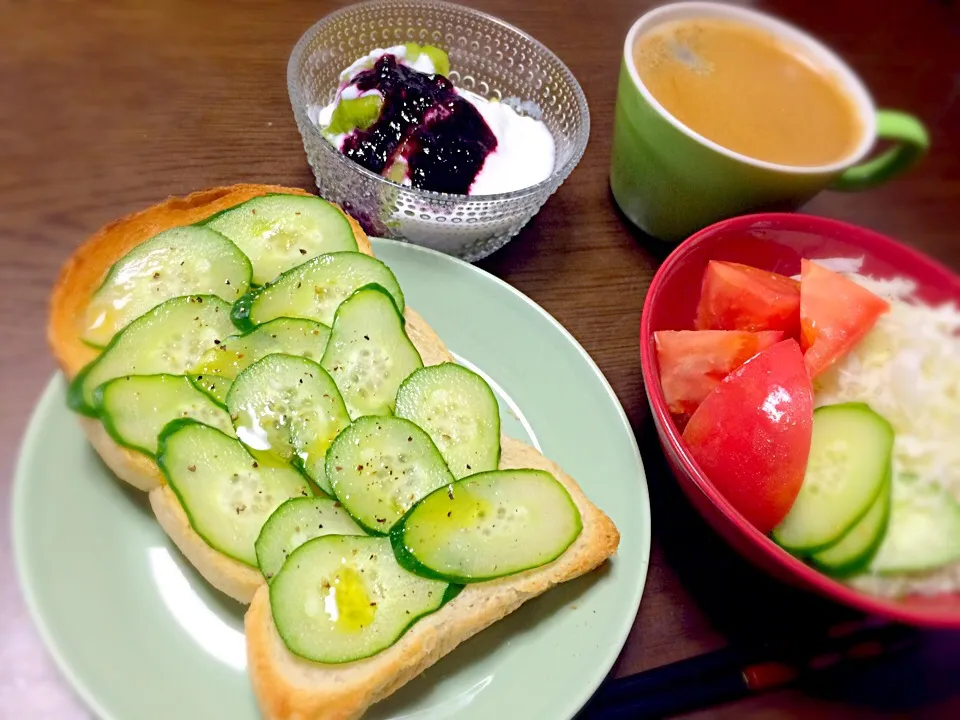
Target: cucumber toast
308, 443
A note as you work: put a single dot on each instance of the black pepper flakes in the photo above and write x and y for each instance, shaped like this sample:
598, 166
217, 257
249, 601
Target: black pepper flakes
192, 468
256, 464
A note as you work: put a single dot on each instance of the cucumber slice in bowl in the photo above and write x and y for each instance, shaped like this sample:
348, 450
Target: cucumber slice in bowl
278, 232
219, 366
315, 289
854, 550
369, 353
460, 413
289, 408
294, 523
487, 526
339, 598
176, 262
380, 466
924, 529
850, 456
226, 494
135, 408
166, 340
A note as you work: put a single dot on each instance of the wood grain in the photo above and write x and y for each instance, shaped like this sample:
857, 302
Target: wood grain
107, 107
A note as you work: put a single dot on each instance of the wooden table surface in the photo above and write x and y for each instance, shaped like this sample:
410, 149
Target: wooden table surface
108, 107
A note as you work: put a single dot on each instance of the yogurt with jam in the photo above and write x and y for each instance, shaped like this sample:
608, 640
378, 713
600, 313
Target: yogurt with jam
398, 115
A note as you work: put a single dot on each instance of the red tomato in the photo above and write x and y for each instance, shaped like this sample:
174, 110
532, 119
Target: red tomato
693, 362
751, 435
740, 297
835, 314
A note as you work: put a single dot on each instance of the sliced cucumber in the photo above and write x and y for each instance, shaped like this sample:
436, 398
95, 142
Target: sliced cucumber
315, 289
295, 522
278, 232
290, 408
380, 466
166, 340
180, 261
854, 550
487, 526
924, 529
850, 456
460, 413
369, 353
225, 492
135, 408
219, 366
340, 598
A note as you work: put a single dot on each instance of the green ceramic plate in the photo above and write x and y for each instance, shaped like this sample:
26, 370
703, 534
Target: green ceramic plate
140, 635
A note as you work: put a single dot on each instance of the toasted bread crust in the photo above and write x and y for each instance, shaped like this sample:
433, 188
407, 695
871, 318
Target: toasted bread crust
84, 272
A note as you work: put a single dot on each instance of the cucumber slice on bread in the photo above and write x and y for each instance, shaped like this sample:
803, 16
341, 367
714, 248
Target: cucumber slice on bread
179, 261
226, 493
368, 353
340, 598
289, 408
315, 289
278, 232
487, 526
460, 413
166, 340
135, 408
379, 467
294, 523
219, 366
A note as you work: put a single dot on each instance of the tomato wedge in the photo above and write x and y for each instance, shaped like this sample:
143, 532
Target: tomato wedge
693, 362
751, 435
740, 297
835, 314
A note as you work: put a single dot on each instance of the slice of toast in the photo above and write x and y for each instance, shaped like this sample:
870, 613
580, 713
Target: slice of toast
287, 687
83, 274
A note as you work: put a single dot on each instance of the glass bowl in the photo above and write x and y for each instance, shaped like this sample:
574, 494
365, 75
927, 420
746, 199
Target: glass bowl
488, 57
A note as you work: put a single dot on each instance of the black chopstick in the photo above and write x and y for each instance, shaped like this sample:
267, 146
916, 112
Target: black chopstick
726, 675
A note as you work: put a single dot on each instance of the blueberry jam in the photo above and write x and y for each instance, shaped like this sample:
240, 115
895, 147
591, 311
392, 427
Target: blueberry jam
441, 136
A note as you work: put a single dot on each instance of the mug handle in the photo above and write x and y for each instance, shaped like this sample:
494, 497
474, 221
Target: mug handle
910, 144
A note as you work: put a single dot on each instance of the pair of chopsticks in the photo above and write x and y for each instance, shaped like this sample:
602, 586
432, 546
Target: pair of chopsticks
726, 675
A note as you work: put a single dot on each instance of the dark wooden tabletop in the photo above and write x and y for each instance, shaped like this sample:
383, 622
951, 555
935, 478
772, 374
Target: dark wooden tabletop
108, 107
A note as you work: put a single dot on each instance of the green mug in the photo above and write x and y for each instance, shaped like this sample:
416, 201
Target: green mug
670, 181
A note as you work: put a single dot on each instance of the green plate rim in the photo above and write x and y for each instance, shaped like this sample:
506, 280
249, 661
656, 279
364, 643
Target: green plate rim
591, 682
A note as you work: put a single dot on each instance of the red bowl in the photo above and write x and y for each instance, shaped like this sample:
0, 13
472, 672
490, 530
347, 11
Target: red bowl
777, 241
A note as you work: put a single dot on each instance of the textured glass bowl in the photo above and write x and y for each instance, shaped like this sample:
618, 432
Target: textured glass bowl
488, 57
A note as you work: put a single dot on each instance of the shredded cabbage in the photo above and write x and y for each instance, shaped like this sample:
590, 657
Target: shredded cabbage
907, 369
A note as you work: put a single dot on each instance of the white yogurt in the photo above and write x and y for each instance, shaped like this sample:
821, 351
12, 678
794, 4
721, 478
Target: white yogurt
525, 153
